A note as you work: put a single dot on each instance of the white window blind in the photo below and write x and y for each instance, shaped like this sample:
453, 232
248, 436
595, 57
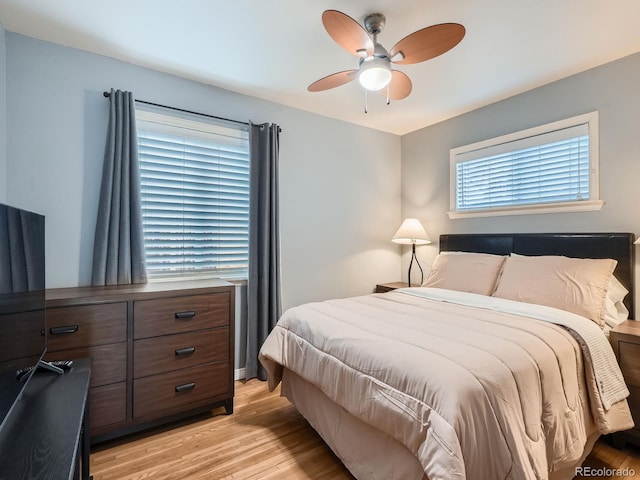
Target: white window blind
550, 166
195, 197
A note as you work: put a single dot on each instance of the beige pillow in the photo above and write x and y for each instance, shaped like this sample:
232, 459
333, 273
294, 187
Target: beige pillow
578, 285
465, 272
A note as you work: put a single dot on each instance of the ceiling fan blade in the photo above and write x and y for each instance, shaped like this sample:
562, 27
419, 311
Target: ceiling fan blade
399, 87
332, 81
427, 43
347, 33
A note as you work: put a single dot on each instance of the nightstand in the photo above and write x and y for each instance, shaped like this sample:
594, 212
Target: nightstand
625, 339
387, 287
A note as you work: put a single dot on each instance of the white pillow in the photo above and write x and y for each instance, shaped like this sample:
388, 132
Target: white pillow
615, 312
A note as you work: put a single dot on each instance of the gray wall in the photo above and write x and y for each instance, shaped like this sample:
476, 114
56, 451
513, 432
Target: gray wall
340, 183
612, 89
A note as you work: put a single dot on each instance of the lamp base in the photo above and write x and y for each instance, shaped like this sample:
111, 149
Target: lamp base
413, 257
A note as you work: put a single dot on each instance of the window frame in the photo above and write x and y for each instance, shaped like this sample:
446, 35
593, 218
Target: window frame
593, 203
164, 122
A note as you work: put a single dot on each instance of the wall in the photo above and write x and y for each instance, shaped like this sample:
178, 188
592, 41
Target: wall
3, 117
612, 89
340, 183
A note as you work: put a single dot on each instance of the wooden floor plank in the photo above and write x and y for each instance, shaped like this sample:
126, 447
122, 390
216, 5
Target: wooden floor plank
265, 439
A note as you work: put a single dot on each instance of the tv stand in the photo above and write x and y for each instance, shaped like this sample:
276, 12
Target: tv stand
46, 435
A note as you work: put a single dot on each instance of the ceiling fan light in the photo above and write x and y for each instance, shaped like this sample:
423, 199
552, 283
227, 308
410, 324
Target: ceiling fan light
375, 74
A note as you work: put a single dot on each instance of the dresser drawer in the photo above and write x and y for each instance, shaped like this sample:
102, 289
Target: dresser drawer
629, 355
86, 325
108, 365
107, 405
634, 405
164, 354
167, 393
14, 343
180, 314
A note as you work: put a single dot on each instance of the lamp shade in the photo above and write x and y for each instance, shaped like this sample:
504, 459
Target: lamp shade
411, 232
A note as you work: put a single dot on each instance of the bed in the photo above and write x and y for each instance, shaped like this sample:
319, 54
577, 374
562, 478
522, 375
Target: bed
467, 377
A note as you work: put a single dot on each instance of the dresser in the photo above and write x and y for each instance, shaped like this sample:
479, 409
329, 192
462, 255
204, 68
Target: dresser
625, 340
160, 351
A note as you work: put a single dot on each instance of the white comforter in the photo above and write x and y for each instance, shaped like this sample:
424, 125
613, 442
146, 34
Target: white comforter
472, 390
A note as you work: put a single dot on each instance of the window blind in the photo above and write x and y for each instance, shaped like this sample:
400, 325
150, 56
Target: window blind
548, 168
195, 197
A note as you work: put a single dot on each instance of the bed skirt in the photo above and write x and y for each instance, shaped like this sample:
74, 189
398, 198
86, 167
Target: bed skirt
367, 452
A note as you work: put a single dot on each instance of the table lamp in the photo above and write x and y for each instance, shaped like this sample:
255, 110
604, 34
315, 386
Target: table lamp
411, 232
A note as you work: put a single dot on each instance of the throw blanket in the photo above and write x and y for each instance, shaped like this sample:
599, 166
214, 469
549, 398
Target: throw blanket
465, 389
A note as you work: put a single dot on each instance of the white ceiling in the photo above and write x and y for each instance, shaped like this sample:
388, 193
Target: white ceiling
275, 49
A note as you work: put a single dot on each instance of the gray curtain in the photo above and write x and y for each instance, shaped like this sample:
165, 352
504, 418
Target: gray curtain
263, 287
118, 249
21, 251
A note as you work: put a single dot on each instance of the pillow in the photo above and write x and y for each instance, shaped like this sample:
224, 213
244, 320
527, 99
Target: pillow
615, 312
578, 285
465, 272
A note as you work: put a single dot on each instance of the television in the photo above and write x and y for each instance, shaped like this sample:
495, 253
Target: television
22, 302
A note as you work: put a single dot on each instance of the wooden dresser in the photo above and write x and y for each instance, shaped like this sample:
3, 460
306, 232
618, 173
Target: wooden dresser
625, 339
160, 351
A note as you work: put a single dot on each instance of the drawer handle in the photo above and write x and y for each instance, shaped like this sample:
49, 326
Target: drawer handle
185, 315
185, 351
63, 330
186, 387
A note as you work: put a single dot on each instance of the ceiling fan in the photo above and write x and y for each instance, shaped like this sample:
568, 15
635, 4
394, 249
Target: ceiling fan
374, 70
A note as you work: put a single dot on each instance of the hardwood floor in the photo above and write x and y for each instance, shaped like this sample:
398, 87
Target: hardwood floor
618, 464
265, 438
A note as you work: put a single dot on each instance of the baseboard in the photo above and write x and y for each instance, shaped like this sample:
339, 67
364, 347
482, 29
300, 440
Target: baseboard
238, 374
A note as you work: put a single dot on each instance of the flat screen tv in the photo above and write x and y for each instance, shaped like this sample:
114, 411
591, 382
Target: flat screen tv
22, 302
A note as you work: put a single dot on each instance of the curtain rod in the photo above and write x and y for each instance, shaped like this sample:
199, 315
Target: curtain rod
107, 95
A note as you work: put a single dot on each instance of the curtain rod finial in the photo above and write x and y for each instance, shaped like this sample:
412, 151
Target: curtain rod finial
106, 94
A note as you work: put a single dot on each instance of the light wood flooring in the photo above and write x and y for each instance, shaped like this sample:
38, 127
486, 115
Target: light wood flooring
265, 438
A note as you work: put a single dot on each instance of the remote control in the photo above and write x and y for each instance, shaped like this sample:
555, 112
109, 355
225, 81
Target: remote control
63, 364
22, 373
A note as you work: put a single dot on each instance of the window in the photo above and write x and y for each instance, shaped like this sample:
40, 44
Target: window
551, 168
195, 196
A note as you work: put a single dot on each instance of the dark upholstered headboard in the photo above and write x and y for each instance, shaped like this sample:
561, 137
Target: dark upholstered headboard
618, 246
